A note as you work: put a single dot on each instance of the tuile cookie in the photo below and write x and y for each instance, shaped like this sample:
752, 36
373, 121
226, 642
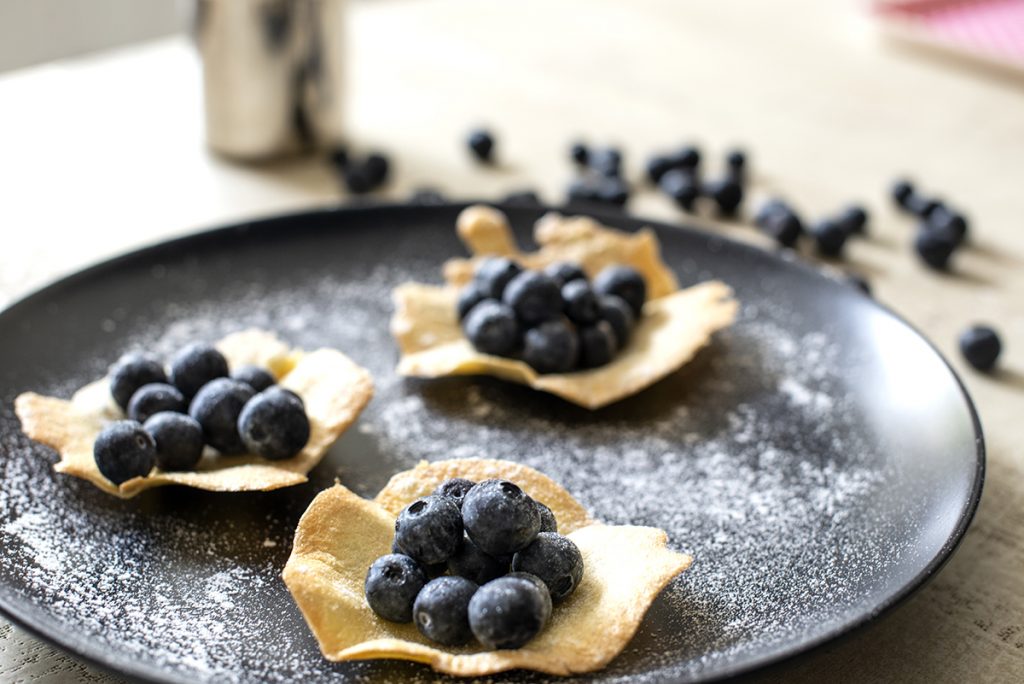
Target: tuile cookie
341, 534
334, 388
675, 323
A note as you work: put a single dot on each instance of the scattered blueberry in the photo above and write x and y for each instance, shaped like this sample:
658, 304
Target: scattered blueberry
547, 518
178, 438
727, 195
154, 398
784, 227
196, 365
491, 328
598, 344
551, 347
943, 219
493, 274
376, 167
469, 296
441, 610
254, 376
455, 489
507, 612
769, 209
563, 271
981, 346
579, 301
935, 246
471, 562
582, 191
429, 529
829, 237
682, 186
555, 559
902, 191
923, 207
624, 282
499, 517
736, 163
606, 161
392, 584
130, 373
481, 144
658, 166
579, 153
357, 179
124, 450
273, 425
534, 297
854, 220
619, 315
687, 157
338, 156
216, 408
612, 190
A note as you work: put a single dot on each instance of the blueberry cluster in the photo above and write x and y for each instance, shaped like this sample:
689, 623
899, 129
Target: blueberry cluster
678, 175
942, 229
555, 320
777, 219
360, 175
506, 565
599, 179
172, 414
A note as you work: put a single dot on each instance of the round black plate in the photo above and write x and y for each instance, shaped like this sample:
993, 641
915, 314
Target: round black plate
819, 460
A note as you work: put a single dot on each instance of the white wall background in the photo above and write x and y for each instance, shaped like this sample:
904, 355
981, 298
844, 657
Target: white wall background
33, 31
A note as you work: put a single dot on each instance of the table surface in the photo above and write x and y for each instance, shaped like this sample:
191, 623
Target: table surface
105, 153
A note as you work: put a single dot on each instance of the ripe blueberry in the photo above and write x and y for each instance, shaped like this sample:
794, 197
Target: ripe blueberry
944, 219
854, 220
124, 450
829, 237
901, 191
491, 328
547, 518
469, 296
473, 564
580, 302
551, 347
216, 408
429, 529
687, 157
624, 282
391, 586
657, 166
784, 227
981, 346
579, 153
935, 246
493, 275
153, 398
534, 297
179, 440
441, 610
607, 161
727, 193
481, 144
507, 612
499, 517
455, 489
376, 168
598, 344
273, 425
682, 186
196, 365
554, 559
130, 373
619, 315
564, 271
254, 376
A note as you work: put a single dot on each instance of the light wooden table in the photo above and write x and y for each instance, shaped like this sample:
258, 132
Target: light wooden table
102, 154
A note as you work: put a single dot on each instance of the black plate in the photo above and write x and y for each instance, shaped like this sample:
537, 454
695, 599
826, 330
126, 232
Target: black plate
820, 460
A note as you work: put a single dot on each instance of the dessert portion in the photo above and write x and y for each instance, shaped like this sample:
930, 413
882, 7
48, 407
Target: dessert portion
249, 413
528, 317
473, 567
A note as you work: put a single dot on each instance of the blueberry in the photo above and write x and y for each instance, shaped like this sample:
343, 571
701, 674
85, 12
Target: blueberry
469, 296
499, 517
658, 166
376, 167
624, 282
770, 209
682, 186
392, 584
441, 610
935, 246
554, 559
534, 297
130, 373
922, 207
273, 425
196, 365
607, 161
547, 518
522, 198
564, 271
579, 153
427, 197
357, 179
481, 144
829, 237
619, 315
254, 376
854, 220
507, 612
598, 344
736, 162
581, 191
491, 328
980, 345
216, 408
551, 347
687, 157
612, 190
901, 191
124, 450
473, 564
493, 274
284, 390
726, 193
944, 219
154, 398
455, 489
429, 529
179, 440
784, 227
539, 583
338, 156
579, 301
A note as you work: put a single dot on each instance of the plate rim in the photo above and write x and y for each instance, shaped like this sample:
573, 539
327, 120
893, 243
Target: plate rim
139, 671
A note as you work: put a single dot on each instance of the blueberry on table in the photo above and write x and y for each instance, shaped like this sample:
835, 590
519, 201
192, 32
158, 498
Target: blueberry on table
922, 207
551, 347
471, 562
508, 612
556, 560
534, 297
853, 219
499, 517
564, 271
736, 161
581, 191
130, 373
392, 584
727, 195
770, 209
784, 227
481, 144
579, 301
687, 157
254, 376
491, 328
624, 282
429, 529
682, 186
547, 518
469, 296
441, 610
376, 167
612, 190
598, 344
124, 450
981, 346
493, 274
829, 237
944, 219
216, 408
619, 315
179, 440
455, 489
935, 246
658, 166
196, 365
338, 156
357, 179
579, 153
606, 161
273, 425
901, 191
154, 398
